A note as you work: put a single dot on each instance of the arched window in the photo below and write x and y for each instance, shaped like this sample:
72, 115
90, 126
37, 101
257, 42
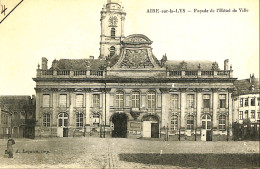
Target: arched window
151, 100
46, 120
222, 122
174, 123
63, 119
79, 119
112, 51
120, 99
135, 99
190, 122
113, 33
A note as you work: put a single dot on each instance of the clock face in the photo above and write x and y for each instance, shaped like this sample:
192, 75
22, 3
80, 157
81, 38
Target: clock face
113, 21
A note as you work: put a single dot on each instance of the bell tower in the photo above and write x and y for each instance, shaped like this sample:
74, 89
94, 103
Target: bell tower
112, 28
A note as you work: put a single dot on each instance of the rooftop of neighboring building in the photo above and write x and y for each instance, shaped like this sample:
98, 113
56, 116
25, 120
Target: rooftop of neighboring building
247, 86
16, 102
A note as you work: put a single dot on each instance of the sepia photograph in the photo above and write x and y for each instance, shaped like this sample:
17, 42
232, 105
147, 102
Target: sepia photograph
129, 84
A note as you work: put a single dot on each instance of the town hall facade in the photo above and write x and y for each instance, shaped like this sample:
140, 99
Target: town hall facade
128, 92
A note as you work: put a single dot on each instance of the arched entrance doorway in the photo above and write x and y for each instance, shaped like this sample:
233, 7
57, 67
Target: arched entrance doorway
119, 121
150, 126
206, 134
63, 125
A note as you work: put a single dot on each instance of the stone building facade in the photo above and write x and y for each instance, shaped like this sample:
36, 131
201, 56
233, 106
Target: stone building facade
18, 116
5, 121
128, 92
246, 101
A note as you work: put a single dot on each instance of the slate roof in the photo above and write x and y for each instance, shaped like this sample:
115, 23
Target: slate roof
246, 86
79, 64
191, 65
15, 102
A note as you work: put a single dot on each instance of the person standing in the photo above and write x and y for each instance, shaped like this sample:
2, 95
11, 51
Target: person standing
10, 144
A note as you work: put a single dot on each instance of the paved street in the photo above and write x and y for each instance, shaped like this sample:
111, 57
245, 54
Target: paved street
106, 153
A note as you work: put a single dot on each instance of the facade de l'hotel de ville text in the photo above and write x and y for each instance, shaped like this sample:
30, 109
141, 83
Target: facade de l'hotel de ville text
128, 92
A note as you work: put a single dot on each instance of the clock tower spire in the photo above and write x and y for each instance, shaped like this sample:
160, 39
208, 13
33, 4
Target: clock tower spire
112, 28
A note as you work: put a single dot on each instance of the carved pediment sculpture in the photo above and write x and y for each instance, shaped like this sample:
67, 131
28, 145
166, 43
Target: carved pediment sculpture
136, 58
214, 66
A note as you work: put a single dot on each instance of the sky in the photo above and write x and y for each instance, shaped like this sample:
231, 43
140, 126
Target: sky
59, 29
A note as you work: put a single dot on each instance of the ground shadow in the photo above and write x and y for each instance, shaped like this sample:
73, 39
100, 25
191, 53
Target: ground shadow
195, 160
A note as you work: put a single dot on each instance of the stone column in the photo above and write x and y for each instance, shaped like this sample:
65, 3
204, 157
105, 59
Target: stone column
199, 101
215, 107
230, 111
54, 104
165, 107
88, 105
107, 106
183, 107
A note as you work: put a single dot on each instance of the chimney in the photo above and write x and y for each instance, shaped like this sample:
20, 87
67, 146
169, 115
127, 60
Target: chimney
44, 63
226, 64
91, 57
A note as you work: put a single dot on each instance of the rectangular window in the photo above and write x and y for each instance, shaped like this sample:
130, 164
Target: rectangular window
120, 99
190, 100
151, 100
175, 101
63, 100
190, 122
246, 102
241, 115
222, 122
22, 115
46, 120
206, 101
79, 119
241, 102
96, 100
252, 114
79, 100
253, 102
46, 100
258, 115
246, 114
174, 123
222, 101
258, 100
135, 100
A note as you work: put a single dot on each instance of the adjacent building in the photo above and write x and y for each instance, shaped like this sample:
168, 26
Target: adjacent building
17, 116
5, 121
246, 101
128, 92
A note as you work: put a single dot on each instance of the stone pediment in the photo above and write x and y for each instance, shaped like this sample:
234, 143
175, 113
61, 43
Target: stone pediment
137, 39
136, 55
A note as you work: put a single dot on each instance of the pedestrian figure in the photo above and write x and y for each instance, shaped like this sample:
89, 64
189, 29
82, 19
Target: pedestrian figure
10, 144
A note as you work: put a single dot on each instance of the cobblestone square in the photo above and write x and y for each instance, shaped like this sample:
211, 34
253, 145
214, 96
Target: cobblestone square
106, 152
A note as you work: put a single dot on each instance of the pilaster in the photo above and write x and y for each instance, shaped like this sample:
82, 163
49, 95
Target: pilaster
199, 103
183, 105
215, 107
